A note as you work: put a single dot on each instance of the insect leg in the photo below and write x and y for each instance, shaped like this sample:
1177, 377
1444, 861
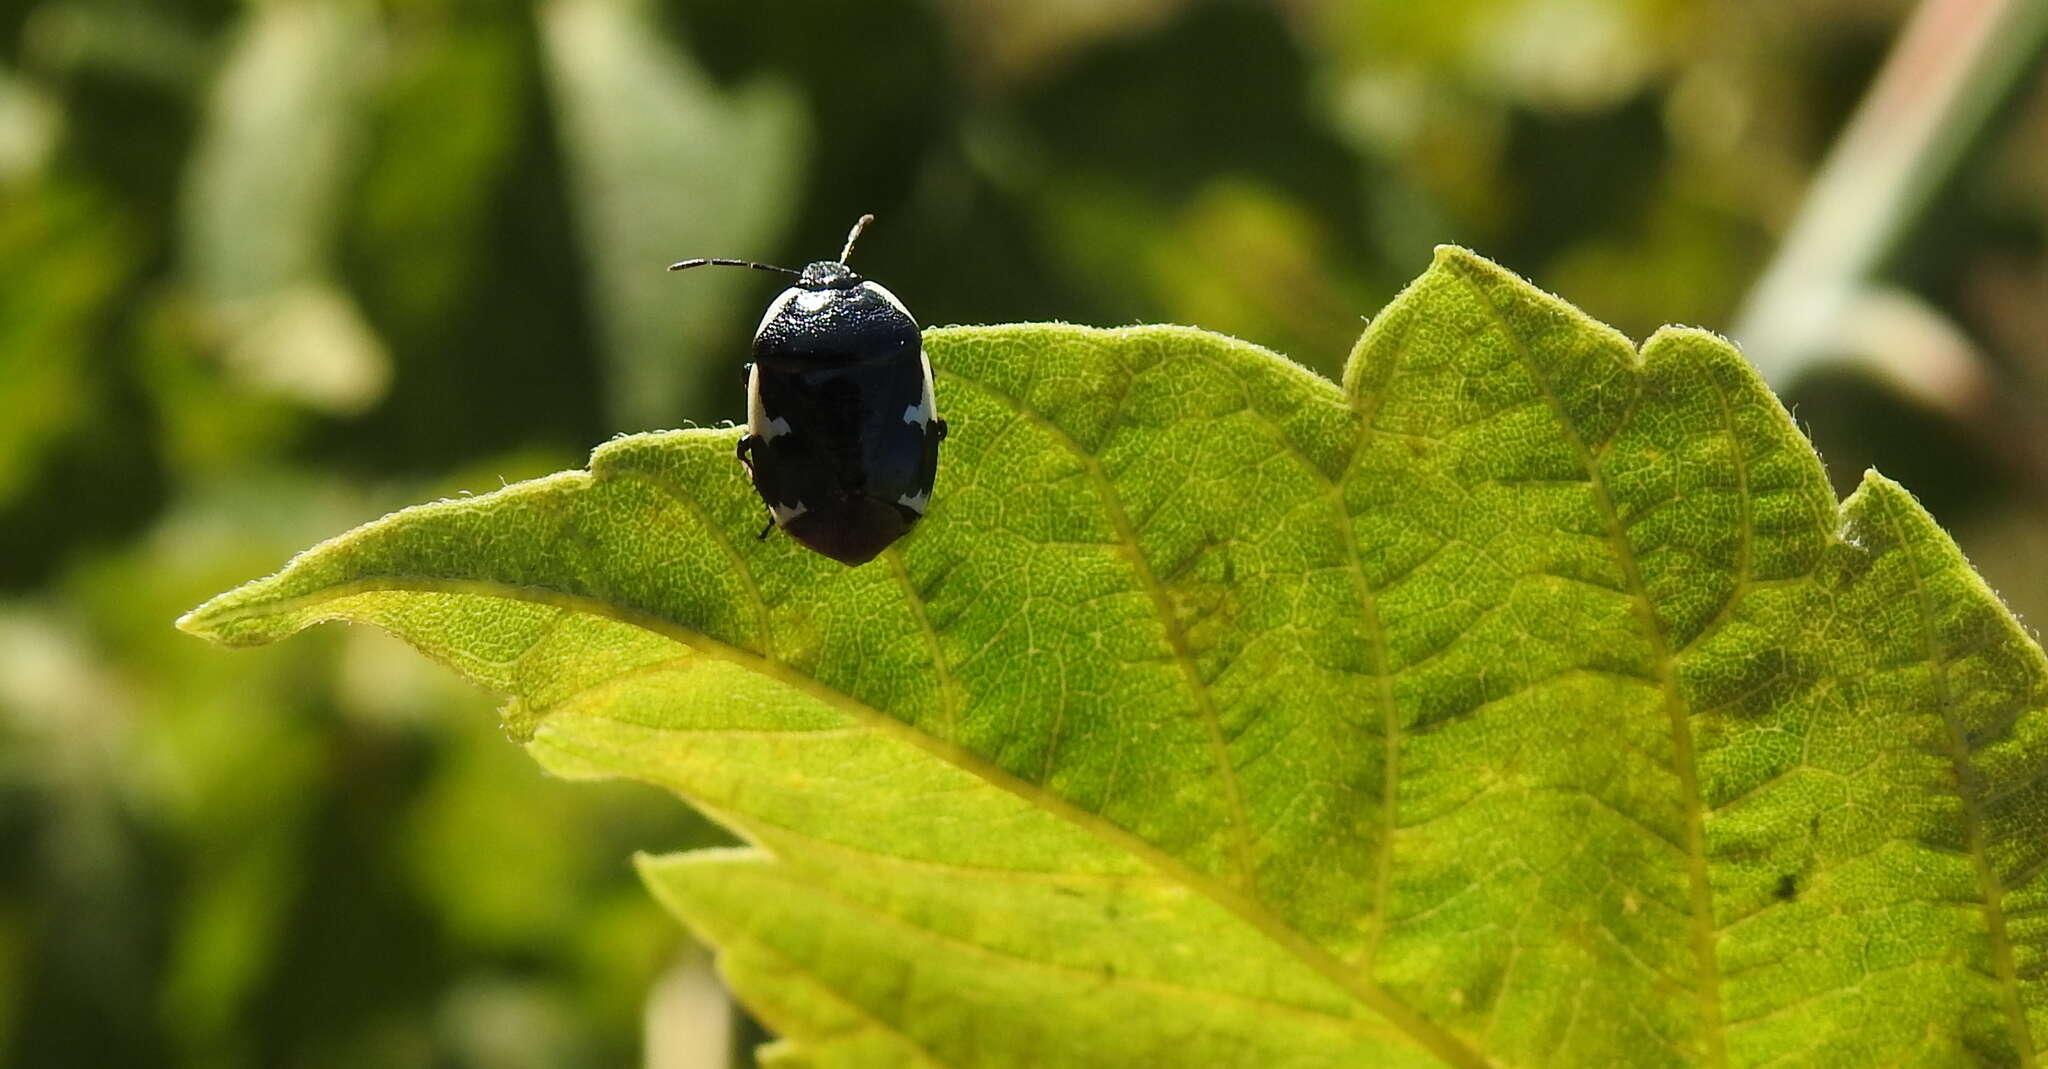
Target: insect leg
763, 536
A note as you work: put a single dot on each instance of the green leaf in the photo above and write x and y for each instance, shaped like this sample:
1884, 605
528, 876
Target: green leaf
1527, 701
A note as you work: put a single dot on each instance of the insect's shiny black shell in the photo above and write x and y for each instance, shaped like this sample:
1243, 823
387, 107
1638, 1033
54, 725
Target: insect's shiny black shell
842, 436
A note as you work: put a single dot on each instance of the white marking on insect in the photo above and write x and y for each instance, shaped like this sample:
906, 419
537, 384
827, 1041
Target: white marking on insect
775, 308
916, 502
758, 423
812, 300
784, 514
927, 407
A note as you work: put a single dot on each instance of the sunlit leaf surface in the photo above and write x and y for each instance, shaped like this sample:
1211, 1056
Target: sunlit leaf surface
1527, 700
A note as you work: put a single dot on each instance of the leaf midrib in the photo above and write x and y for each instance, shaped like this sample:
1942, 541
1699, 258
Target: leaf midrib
1400, 1015
1362, 418
1677, 713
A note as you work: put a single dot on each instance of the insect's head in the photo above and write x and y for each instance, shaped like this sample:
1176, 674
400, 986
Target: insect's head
827, 275
822, 275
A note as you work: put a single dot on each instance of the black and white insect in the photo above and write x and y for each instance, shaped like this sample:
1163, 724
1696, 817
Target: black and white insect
842, 437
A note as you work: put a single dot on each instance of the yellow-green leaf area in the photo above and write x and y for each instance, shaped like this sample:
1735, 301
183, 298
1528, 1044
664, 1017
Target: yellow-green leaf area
1526, 700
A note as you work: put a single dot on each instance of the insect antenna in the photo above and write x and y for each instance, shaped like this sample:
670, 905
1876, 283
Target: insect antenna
853, 235
719, 261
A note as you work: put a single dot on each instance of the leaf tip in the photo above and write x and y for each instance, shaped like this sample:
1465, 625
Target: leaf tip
223, 619
669, 875
1882, 502
648, 865
1876, 489
1460, 257
1676, 334
1696, 347
199, 622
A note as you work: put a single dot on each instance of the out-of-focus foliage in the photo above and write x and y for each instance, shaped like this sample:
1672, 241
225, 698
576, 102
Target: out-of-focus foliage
269, 267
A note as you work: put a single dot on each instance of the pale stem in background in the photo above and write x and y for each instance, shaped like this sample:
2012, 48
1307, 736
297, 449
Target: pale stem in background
689, 1017
1956, 60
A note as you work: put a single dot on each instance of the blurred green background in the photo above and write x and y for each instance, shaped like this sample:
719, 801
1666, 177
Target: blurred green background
268, 270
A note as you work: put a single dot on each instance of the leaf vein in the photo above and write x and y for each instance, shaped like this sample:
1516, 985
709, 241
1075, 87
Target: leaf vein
1162, 606
1959, 753
764, 634
1113, 979
1254, 913
1681, 729
951, 701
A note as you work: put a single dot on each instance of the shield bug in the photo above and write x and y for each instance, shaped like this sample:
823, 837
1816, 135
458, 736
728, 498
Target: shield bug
842, 437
